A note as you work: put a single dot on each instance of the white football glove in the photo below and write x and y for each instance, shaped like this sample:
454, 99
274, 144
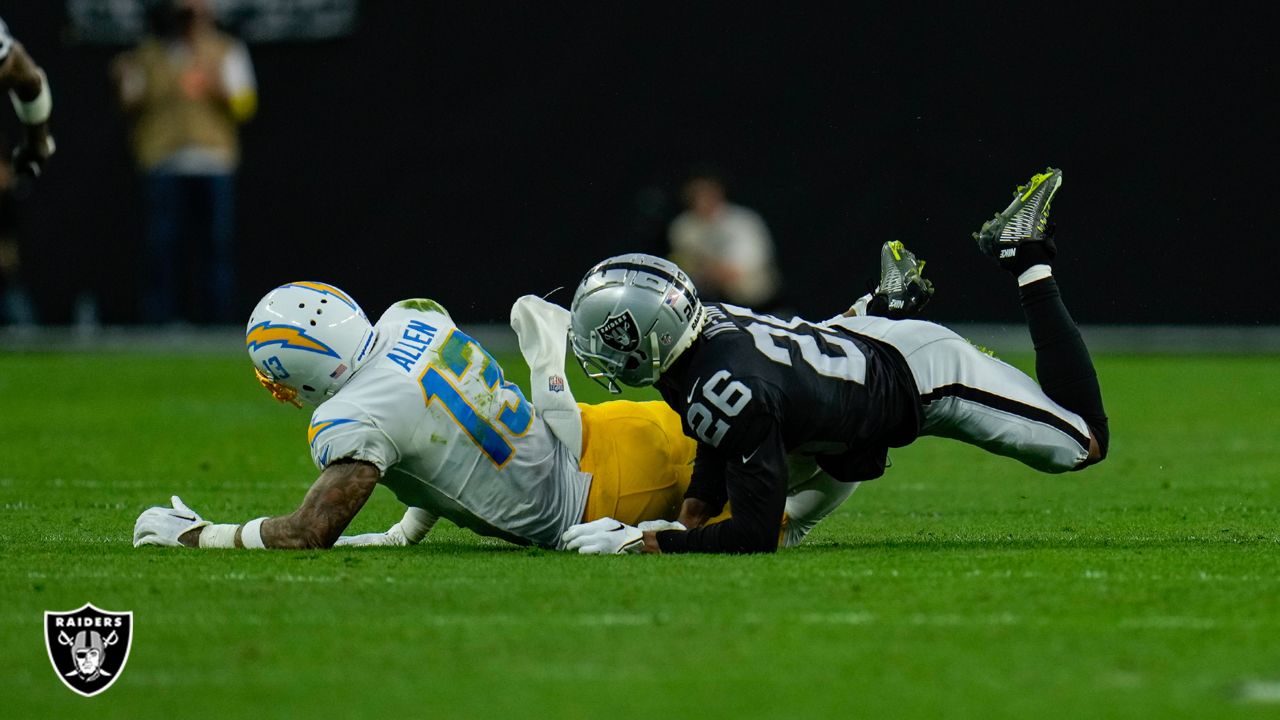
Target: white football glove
660, 525
164, 525
411, 529
605, 536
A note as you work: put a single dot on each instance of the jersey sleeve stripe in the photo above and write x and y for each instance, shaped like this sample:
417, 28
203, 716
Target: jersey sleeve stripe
316, 428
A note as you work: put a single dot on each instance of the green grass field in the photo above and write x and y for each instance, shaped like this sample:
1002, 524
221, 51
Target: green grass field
959, 585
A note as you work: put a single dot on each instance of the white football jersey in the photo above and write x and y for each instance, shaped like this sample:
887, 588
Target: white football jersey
433, 411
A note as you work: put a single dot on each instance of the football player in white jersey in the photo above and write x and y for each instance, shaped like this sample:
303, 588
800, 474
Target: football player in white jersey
29, 90
416, 404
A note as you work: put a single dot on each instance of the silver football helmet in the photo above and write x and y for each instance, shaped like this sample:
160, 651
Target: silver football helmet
632, 316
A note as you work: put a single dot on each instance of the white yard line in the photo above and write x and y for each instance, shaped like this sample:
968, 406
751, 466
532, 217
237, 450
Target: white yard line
1262, 692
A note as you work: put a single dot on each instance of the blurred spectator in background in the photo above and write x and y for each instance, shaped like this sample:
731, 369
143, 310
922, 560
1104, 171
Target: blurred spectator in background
725, 248
186, 88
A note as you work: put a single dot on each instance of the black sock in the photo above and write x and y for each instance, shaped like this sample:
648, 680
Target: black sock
878, 306
1030, 253
1063, 366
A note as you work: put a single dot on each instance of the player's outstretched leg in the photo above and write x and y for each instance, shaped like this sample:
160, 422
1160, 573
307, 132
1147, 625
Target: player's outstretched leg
1020, 239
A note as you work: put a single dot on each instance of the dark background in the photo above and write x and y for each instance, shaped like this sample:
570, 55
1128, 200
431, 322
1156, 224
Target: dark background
474, 152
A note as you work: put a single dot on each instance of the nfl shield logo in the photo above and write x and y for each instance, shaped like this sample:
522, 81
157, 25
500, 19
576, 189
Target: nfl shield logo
88, 647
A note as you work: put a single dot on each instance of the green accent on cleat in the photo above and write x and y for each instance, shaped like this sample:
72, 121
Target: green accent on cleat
902, 291
1026, 220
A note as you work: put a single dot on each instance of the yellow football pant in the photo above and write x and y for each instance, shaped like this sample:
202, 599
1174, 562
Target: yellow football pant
639, 459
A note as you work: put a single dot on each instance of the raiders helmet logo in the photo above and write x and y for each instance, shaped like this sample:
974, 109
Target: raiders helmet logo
88, 647
620, 332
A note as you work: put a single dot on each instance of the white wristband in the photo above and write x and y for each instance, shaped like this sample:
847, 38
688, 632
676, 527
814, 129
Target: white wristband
37, 111
218, 536
415, 525
251, 535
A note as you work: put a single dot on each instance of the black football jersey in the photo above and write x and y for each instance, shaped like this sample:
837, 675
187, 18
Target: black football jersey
754, 388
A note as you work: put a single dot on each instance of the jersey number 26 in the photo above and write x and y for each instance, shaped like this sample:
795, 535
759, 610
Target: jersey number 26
725, 394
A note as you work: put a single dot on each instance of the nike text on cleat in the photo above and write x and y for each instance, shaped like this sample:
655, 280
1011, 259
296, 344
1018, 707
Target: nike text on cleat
1024, 222
902, 291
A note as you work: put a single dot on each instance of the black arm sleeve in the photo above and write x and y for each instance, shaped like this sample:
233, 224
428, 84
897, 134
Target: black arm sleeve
756, 482
707, 483
856, 465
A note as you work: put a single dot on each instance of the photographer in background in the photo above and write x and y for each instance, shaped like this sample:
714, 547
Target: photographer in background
186, 89
725, 248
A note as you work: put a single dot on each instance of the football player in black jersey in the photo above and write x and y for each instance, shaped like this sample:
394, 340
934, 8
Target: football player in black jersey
29, 90
760, 393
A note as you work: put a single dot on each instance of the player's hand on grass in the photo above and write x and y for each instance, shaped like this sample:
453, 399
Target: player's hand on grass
605, 536
164, 525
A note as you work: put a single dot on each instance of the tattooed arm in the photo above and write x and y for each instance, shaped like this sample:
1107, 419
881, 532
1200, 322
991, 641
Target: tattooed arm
328, 508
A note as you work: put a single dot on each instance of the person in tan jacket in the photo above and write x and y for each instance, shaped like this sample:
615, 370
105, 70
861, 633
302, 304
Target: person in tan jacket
186, 88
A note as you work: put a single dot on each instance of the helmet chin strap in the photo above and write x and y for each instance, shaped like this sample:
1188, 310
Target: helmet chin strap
655, 365
686, 339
